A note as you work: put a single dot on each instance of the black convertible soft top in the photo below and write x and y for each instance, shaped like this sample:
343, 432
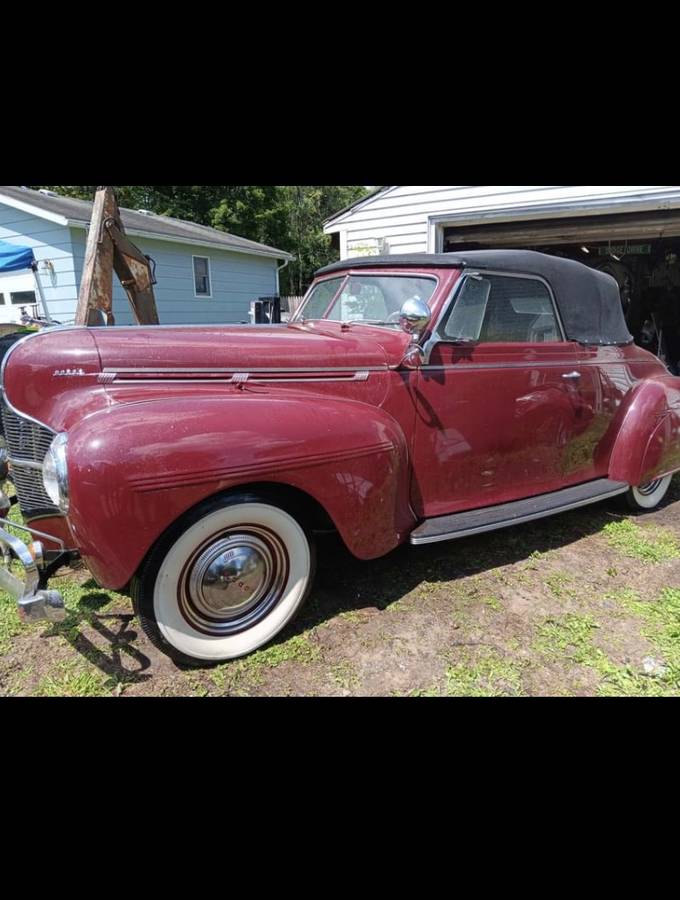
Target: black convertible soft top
589, 301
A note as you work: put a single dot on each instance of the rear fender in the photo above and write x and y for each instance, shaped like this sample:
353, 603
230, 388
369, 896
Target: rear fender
647, 443
134, 469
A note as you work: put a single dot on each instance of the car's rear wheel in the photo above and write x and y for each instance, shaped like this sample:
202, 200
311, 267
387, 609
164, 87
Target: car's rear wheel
225, 580
649, 495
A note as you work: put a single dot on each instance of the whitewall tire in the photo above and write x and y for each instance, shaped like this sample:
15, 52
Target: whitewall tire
648, 496
225, 580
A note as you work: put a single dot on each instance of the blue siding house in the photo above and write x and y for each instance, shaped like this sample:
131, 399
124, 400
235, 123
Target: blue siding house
204, 275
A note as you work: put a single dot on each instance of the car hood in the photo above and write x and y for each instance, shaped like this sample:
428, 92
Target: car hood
234, 347
56, 376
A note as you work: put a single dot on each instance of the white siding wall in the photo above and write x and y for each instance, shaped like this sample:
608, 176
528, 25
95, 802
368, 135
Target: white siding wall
404, 218
49, 242
236, 279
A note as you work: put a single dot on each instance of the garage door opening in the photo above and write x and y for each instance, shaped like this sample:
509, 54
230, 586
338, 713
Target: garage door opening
641, 251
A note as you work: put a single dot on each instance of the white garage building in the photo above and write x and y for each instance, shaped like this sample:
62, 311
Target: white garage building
435, 218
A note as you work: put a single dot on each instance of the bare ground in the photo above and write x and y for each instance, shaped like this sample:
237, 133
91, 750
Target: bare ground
564, 606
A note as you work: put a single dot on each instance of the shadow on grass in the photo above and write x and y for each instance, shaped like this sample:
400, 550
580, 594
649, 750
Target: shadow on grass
344, 583
113, 628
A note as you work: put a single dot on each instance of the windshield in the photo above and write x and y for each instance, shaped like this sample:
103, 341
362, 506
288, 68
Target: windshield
374, 299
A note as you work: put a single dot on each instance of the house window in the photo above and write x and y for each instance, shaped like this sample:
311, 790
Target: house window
202, 276
23, 297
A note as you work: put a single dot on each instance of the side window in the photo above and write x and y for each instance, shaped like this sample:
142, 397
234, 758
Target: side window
500, 309
467, 316
519, 310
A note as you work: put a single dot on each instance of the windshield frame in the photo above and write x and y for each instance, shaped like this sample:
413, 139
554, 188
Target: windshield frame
299, 316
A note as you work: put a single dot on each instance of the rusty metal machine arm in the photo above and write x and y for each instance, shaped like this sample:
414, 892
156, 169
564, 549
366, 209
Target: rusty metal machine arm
108, 250
135, 274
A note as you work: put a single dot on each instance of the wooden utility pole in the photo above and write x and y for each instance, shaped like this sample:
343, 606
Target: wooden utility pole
108, 250
96, 284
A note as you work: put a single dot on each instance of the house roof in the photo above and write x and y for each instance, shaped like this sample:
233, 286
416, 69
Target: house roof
346, 209
77, 213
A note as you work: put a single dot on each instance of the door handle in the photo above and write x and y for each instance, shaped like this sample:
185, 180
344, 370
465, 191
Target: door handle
571, 375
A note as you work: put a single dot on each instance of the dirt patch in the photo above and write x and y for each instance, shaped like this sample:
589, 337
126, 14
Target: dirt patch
551, 608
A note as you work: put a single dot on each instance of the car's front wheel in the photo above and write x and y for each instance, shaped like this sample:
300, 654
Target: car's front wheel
648, 496
225, 580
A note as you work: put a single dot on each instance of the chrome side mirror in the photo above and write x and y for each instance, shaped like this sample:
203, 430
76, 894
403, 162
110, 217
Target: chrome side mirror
414, 318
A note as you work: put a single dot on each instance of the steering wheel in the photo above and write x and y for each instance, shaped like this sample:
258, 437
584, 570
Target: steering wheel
393, 318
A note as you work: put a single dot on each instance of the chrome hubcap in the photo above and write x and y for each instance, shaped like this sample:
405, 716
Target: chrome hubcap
233, 581
647, 489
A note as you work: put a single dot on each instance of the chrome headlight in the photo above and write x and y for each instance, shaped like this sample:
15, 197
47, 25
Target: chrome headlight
55, 472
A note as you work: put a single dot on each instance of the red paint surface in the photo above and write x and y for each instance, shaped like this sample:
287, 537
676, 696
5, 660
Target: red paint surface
493, 423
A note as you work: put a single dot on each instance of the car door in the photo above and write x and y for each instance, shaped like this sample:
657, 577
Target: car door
498, 399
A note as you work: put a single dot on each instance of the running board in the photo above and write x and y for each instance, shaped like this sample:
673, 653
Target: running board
475, 521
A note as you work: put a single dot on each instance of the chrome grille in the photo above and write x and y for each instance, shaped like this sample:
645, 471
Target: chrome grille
27, 442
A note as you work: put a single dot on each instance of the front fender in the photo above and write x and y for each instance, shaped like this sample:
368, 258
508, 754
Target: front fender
135, 468
647, 442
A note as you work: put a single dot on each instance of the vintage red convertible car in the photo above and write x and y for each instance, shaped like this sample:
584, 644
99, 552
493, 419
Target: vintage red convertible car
412, 398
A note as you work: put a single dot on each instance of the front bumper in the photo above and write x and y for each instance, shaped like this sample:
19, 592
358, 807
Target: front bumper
34, 601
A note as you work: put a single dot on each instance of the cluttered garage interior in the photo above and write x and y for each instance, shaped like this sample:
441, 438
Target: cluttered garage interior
641, 251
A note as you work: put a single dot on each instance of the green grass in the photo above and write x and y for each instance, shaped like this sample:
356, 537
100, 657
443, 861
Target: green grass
650, 545
296, 649
252, 668
490, 674
661, 626
10, 624
493, 603
525, 652
570, 637
344, 675
559, 585
70, 680
420, 692
532, 560
81, 676
351, 616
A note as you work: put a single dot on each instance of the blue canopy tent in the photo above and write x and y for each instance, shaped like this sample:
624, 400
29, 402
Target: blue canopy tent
14, 258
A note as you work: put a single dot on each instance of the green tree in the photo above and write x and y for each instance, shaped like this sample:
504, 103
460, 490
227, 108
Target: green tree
289, 217
129, 196
305, 208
